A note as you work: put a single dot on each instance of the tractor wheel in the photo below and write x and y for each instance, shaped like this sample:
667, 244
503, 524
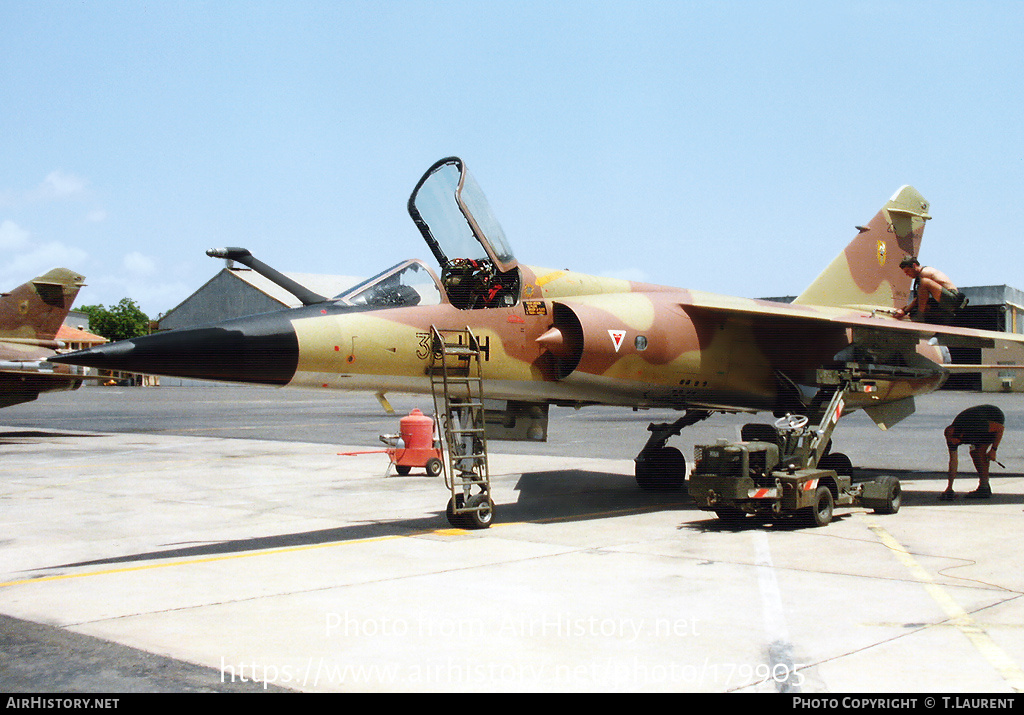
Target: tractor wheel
820, 514
893, 496
731, 516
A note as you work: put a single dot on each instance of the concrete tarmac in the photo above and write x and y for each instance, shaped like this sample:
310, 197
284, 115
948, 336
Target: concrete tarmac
201, 539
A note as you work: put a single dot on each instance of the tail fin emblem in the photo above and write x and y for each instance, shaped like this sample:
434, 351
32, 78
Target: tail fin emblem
881, 253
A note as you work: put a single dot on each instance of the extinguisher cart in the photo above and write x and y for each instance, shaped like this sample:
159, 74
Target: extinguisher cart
414, 445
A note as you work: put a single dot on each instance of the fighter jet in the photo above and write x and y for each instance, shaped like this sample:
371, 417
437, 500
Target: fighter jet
544, 337
30, 317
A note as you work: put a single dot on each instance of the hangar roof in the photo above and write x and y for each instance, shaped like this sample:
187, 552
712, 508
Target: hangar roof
235, 291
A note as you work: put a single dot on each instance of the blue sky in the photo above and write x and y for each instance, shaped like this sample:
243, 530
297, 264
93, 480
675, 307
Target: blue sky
724, 146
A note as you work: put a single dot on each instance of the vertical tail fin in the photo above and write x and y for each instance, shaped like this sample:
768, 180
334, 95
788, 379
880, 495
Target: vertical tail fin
37, 309
867, 272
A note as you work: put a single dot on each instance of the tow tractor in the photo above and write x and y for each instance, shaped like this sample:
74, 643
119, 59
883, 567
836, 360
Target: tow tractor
786, 470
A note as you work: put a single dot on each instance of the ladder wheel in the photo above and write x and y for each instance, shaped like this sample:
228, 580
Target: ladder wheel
479, 519
457, 520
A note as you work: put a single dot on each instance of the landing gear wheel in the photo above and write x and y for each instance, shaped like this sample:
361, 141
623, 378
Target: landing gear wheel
661, 470
820, 514
893, 496
433, 466
838, 463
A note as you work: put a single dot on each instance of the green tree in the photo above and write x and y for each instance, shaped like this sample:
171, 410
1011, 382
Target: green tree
120, 322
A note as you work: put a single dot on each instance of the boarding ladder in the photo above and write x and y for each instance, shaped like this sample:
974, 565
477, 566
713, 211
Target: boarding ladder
456, 379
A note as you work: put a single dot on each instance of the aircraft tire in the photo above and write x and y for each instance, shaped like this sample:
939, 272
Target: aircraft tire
661, 470
837, 462
821, 513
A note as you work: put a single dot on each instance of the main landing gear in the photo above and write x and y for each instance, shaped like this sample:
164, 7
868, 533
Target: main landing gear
660, 468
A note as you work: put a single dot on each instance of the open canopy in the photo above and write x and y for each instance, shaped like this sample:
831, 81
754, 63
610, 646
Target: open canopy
454, 217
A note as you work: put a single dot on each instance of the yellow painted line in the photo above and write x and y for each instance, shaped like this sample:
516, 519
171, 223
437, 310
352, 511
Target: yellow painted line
308, 547
211, 559
988, 648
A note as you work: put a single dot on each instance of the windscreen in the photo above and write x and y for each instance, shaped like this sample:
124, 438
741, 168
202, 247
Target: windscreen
408, 283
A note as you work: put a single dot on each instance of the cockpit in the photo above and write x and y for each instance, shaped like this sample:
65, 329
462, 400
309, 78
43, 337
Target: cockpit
408, 283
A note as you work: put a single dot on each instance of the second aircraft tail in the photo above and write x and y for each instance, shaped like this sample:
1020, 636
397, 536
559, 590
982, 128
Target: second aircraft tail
36, 310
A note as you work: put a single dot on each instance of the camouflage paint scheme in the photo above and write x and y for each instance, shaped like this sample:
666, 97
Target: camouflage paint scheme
30, 317
560, 337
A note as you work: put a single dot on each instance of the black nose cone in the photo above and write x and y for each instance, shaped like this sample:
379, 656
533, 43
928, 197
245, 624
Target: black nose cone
258, 349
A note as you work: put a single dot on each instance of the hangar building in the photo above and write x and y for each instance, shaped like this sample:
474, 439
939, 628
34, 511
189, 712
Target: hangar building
998, 308
238, 291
